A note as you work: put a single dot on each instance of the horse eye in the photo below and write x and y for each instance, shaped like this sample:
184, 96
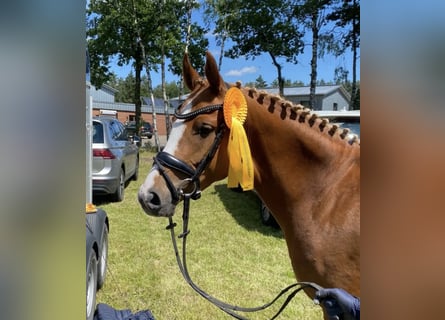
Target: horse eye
205, 130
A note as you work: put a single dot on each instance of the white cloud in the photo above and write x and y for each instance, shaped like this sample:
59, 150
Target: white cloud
240, 72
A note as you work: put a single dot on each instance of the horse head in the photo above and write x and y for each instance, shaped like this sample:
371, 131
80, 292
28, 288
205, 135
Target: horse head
195, 154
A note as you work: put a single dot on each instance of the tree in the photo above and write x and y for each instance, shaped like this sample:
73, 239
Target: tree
312, 14
356, 102
258, 27
190, 37
117, 28
346, 15
177, 29
125, 89
260, 83
139, 32
298, 83
214, 10
340, 75
285, 82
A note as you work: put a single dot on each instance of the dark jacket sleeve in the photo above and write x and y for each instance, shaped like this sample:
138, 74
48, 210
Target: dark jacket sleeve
106, 312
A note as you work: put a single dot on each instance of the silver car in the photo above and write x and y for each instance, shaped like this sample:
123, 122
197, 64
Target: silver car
115, 157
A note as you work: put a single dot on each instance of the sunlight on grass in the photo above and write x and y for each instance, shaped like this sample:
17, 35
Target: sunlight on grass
231, 255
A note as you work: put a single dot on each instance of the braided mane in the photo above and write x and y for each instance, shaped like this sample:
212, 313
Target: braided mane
303, 115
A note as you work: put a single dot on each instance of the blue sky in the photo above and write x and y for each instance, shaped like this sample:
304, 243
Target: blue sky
247, 70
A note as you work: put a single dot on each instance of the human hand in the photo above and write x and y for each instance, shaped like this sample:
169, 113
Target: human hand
338, 304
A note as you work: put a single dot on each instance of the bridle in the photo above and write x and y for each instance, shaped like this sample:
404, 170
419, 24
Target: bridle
165, 160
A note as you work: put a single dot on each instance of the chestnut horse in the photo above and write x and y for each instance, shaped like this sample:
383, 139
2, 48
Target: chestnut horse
306, 171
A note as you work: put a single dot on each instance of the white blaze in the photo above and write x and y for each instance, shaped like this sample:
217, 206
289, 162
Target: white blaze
176, 133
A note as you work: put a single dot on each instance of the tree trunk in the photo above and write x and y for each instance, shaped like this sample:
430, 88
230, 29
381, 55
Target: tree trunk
354, 63
187, 42
137, 89
313, 84
150, 90
280, 78
223, 40
164, 94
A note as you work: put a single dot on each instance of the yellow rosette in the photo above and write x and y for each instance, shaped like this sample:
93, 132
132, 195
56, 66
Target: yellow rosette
241, 170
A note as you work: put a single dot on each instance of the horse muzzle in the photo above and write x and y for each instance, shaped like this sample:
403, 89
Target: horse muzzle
160, 194
155, 203
154, 196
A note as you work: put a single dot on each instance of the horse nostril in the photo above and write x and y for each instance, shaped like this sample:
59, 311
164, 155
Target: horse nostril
149, 201
154, 199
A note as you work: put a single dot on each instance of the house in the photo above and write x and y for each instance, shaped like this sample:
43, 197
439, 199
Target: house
326, 97
329, 98
104, 103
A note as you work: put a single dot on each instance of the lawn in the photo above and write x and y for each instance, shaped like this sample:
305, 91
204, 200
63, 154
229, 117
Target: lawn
231, 255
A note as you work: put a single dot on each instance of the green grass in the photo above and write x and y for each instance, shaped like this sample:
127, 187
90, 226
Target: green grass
231, 255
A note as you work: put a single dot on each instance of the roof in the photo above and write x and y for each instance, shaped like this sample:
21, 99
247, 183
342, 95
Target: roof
305, 91
175, 102
340, 113
104, 118
106, 87
159, 105
292, 91
130, 107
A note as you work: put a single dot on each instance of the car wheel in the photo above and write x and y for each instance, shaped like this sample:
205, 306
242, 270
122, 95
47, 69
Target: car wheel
136, 171
91, 285
266, 216
118, 196
103, 257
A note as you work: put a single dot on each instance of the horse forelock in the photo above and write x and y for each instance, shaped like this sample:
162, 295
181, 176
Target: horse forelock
303, 115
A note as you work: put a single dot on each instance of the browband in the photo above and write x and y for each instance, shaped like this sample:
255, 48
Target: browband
193, 114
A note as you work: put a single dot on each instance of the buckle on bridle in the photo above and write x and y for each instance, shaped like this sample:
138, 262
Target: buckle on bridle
195, 194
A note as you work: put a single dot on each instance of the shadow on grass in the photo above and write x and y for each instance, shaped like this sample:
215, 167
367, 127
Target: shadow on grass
245, 209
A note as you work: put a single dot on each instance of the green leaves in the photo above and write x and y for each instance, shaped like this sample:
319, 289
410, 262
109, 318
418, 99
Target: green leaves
115, 26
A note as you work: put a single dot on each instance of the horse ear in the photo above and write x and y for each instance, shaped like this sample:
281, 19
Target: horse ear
190, 74
212, 73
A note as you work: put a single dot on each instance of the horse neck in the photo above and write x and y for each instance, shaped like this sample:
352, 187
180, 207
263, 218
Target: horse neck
293, 160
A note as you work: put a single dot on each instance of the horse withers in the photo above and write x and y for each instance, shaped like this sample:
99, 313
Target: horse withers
305, 170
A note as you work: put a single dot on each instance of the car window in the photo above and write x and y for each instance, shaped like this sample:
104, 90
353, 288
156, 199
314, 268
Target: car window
112, 131
117, 131
123, 132
130, 129
98, 132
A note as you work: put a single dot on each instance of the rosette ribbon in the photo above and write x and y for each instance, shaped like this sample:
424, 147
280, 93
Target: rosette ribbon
241, 169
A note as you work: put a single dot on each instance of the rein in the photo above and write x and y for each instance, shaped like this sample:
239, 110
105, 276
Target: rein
163, 160
227, 308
